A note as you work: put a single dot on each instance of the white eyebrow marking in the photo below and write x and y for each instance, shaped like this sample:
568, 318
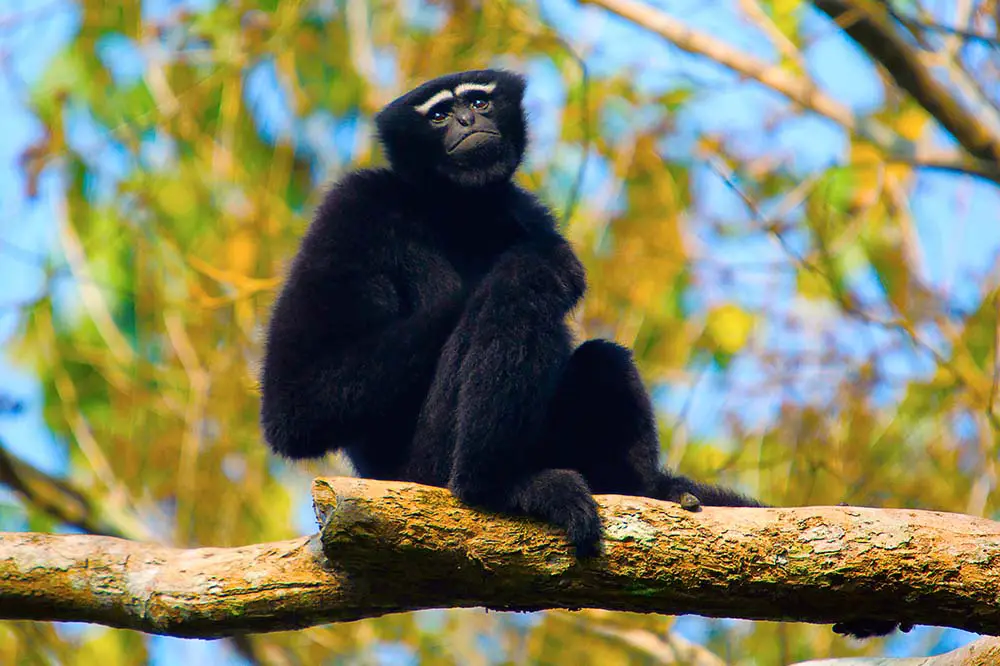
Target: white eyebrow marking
437, 97
463, 88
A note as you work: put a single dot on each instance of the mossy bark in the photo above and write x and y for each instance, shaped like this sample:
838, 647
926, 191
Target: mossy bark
390, 547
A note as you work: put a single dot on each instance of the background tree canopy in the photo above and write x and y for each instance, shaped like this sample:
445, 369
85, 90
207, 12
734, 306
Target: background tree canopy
799, 242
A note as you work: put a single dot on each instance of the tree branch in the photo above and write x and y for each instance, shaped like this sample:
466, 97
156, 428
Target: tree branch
50, 495
70, 505
800, 90
872, 28
66, 502
391, 547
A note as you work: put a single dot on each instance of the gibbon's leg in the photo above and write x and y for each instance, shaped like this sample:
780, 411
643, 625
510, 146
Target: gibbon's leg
602, 423
431, 455
484, 417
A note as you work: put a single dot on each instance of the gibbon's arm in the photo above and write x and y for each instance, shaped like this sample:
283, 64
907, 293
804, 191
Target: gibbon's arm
341, 353
339, 360
518, 343
544, 271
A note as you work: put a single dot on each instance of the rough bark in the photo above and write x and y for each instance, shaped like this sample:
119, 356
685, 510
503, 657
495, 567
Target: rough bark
71, 505
389, 547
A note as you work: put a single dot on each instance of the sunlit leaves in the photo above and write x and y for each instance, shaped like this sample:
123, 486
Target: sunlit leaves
789, 330
980, 334
888, 259
636, 275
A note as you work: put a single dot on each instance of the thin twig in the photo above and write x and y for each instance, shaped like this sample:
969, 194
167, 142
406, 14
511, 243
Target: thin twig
847, 304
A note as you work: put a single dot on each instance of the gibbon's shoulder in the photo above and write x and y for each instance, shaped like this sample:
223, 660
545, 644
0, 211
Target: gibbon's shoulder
364, 189
361, 203
531, 211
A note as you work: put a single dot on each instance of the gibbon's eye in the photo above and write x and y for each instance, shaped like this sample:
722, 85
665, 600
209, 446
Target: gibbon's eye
437, 115
479, 103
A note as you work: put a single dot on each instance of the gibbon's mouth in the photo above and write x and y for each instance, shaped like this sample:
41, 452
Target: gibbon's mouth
473, 140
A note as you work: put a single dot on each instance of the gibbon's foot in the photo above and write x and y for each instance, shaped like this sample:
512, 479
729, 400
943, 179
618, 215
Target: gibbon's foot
562, 498
870, 628
689, 502
584, 532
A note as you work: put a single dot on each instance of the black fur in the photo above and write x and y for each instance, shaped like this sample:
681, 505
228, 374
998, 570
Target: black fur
422, 330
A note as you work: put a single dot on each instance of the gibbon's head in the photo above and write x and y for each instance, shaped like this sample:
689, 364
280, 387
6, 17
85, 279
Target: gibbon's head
467, 128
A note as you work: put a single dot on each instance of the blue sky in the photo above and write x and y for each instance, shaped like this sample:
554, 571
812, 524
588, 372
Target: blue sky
957, 218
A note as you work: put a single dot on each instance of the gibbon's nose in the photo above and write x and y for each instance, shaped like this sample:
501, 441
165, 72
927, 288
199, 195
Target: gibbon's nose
465, 117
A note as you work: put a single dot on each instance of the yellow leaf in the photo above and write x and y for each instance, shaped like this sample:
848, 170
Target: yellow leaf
176, 199
910, 123
729, 326
812, 286
242, 252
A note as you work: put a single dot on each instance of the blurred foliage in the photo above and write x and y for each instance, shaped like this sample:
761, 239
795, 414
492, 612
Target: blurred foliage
189, 147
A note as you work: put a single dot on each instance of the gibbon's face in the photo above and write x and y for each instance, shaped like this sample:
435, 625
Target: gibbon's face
467, 128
